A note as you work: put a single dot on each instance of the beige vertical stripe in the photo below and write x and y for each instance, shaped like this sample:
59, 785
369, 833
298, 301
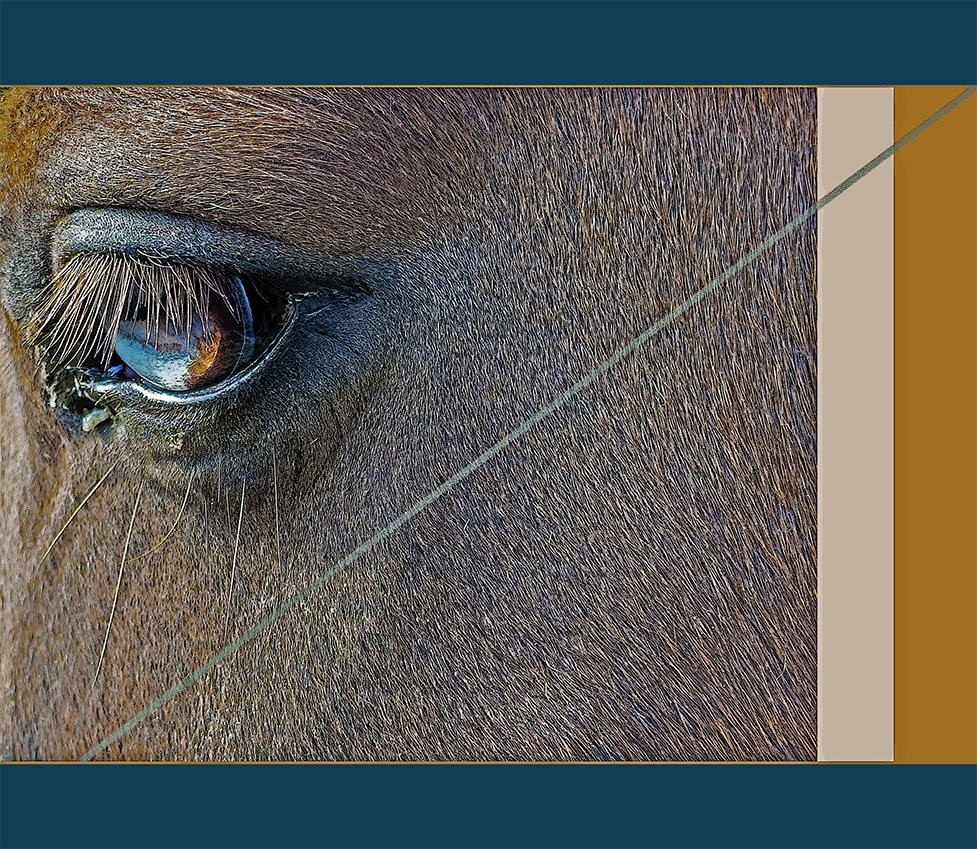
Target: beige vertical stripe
855, 442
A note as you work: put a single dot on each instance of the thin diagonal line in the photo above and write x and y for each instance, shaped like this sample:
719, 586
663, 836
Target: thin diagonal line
556, 403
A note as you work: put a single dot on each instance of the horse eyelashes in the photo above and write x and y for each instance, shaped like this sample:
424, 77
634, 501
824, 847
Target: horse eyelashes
149, 314
79, 315
176, 326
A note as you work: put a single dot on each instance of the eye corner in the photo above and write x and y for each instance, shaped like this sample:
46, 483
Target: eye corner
67, 393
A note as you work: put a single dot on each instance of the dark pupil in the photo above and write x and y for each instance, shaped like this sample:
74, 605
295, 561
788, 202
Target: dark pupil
192, 351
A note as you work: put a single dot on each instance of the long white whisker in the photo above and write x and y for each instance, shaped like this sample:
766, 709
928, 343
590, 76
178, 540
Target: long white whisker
230, 589
118, 584
179, 516
71, 518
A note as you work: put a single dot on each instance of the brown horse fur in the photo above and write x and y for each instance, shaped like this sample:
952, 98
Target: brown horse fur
633, 578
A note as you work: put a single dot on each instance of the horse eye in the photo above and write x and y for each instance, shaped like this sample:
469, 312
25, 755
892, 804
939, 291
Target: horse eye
203, 351
155, 316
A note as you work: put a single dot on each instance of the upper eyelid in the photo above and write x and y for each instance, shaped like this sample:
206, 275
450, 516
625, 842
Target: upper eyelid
184, 240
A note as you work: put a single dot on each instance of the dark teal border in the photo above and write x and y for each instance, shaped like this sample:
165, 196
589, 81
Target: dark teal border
488, 806
478, 42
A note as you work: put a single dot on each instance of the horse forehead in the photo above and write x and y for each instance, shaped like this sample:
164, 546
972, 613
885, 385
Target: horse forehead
364, 165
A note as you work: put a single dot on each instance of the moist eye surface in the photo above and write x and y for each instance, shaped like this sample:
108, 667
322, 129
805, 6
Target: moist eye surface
213, 342
165, 331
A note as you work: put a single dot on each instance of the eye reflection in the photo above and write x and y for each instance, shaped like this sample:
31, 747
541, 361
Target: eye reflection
198, 351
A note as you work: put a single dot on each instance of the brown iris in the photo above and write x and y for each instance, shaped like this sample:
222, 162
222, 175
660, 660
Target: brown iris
206, 349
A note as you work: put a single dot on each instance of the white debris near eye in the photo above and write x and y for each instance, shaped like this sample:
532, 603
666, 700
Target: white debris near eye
93, 418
